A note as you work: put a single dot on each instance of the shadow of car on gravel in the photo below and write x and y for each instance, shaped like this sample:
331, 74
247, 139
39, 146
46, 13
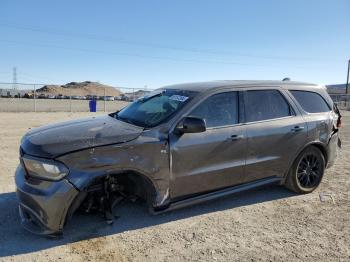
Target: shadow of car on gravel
14, 240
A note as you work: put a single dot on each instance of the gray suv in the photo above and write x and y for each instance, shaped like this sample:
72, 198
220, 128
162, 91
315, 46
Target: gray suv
177, 146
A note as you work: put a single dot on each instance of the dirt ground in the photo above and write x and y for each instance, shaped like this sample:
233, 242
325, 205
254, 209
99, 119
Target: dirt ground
56, 105
268, 224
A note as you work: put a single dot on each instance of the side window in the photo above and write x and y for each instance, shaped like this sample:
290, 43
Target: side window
311, 102
218, 110
265, 104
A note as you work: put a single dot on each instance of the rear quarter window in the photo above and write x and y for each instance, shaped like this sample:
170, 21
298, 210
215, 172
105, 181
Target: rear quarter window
311, 102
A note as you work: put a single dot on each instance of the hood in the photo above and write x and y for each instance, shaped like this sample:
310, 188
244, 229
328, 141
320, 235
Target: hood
53, 140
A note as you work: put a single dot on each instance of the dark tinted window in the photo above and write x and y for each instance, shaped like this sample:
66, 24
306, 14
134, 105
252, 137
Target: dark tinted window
265, 104
218, 110
311, 102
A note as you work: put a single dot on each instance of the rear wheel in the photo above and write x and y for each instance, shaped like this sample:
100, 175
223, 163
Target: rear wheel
307, 171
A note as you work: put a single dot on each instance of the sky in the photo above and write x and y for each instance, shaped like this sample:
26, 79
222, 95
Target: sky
156, 43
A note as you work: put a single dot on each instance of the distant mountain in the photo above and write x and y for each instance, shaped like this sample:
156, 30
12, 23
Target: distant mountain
138, 93
80, 89
335, 89
336, 86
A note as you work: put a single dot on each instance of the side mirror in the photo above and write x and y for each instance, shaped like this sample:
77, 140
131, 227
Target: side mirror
191, 125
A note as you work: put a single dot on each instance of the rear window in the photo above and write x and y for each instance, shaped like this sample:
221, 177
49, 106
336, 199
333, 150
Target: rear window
265, 104
311, 102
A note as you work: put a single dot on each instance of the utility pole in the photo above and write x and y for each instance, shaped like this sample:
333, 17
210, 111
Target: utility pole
14, 78
104, 99
347, 79
34, 96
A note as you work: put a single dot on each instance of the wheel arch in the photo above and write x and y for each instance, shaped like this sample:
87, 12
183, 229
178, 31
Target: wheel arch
316, 144
323, 150
143, 186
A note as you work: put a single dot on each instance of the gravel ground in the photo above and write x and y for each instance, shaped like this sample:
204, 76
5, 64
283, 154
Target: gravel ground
268, 224
56, 105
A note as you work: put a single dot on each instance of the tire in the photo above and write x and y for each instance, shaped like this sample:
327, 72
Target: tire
307, 171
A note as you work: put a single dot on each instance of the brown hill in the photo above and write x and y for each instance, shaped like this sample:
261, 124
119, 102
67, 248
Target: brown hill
80, 89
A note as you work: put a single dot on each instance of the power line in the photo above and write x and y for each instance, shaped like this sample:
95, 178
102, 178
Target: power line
199, 61
36, 77
148, 44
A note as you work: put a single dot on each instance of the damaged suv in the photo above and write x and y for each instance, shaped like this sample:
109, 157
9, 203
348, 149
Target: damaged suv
177, 146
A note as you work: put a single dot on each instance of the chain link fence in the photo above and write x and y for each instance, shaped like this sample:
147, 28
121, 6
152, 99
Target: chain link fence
341, 100
23, 97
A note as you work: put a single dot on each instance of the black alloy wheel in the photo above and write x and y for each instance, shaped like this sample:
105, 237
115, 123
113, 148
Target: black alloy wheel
307, 171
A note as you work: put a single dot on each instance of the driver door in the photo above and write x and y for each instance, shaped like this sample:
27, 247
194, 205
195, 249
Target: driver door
214, 159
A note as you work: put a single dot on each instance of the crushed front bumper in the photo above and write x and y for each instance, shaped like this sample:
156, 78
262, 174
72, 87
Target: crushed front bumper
43, 205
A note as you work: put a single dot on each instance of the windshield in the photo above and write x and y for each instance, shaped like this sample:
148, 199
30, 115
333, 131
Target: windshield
155, 108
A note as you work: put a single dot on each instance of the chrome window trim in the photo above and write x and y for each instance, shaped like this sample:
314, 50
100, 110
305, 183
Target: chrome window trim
269, 120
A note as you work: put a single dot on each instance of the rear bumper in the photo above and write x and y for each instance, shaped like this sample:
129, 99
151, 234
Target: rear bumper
332, 149
43, 205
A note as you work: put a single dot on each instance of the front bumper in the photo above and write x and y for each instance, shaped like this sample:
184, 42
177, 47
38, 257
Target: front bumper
43, 205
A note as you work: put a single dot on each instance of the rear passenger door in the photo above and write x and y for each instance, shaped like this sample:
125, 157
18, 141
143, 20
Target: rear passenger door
275, 133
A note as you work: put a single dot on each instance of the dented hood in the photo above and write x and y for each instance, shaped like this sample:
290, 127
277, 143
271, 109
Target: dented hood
53, 140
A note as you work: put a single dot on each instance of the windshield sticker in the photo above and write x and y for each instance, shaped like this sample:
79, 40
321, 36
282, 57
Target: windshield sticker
178, 98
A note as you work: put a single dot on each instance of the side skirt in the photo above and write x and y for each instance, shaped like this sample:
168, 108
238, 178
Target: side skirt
217, 194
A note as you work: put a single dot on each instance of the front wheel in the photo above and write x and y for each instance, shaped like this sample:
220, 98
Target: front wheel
307, 171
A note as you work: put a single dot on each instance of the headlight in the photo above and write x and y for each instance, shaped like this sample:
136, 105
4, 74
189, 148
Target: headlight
44, 168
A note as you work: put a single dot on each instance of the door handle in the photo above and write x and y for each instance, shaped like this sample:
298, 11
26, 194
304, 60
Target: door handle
235, 137
297, 128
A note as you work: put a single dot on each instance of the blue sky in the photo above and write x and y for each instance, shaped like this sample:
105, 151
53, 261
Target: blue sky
155, 43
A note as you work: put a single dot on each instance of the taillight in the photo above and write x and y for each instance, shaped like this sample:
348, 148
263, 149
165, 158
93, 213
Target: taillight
336, 110
339, 122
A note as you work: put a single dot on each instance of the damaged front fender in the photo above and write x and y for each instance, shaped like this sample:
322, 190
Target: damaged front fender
147, 157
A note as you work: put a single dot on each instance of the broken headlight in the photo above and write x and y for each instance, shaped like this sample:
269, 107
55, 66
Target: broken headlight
44, 168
